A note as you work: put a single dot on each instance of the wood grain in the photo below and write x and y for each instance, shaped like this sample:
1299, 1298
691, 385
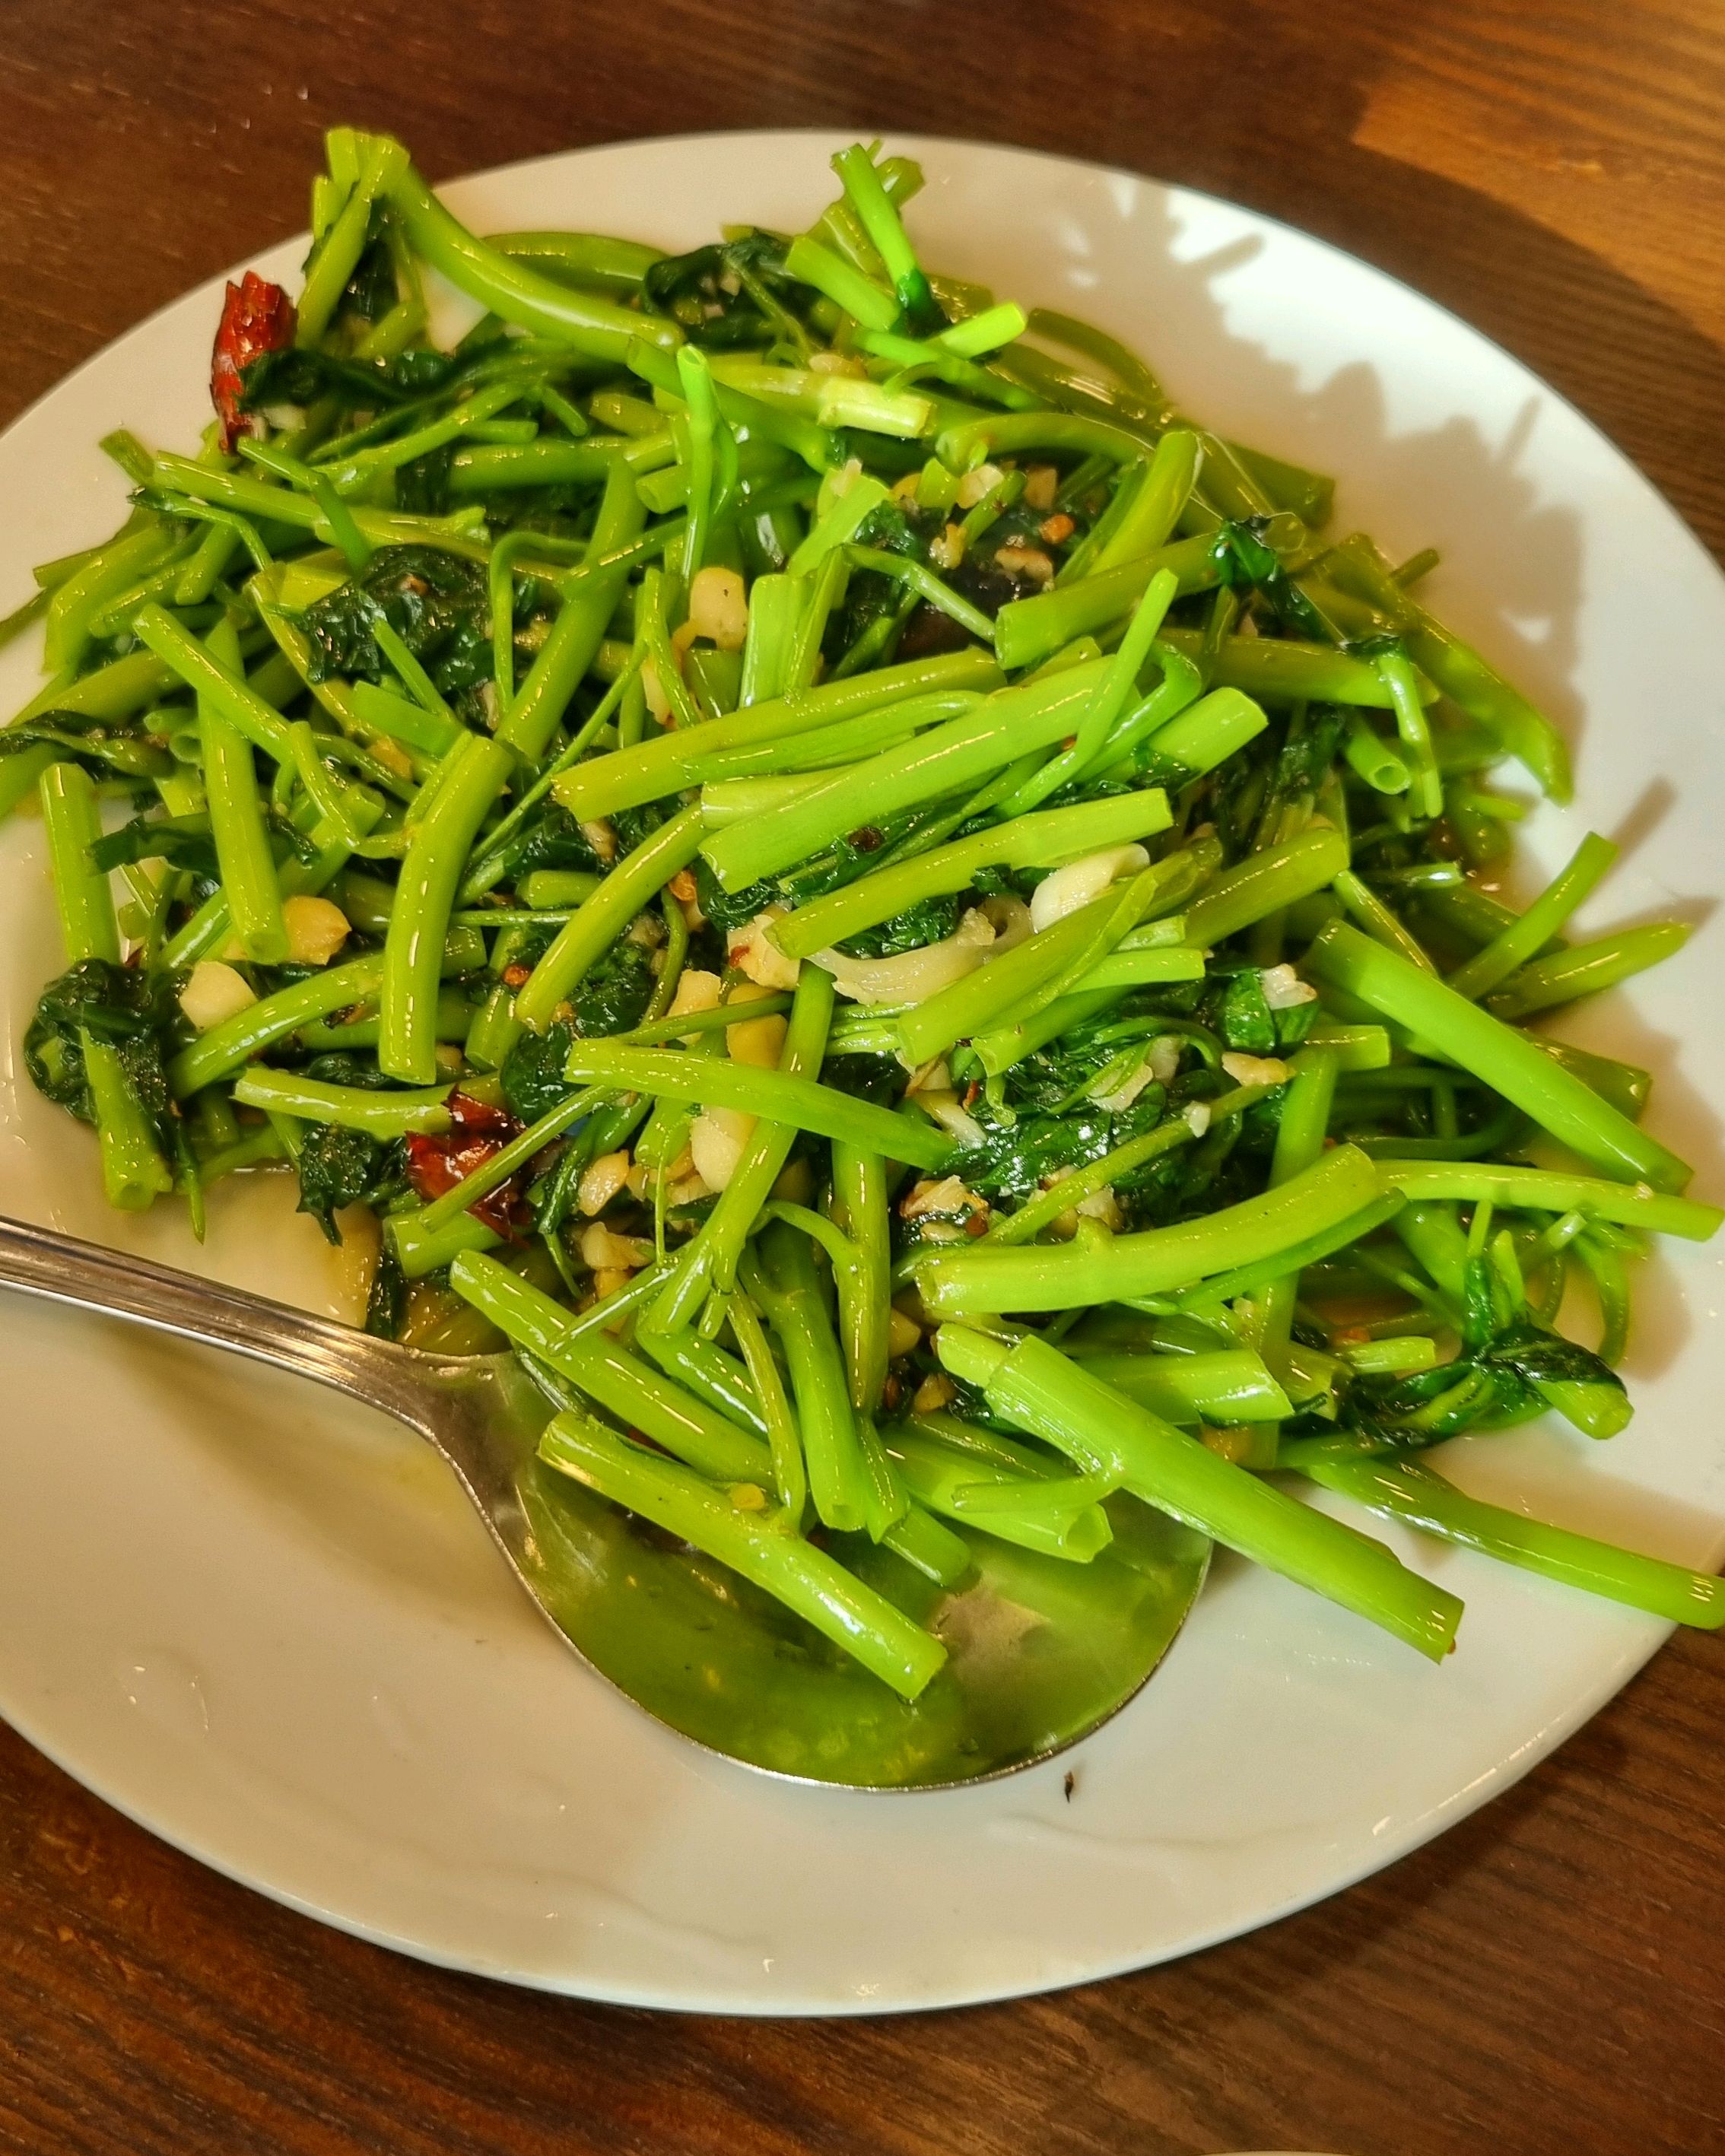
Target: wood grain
1551, 1976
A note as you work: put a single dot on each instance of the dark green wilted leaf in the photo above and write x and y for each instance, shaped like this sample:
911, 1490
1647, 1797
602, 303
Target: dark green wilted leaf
1242, 556
615, 994
613, 997
632, 826
532, 1074
552, 840
387, 1300
372, 290
729, 909
895, 526
932, 921
1539, 1357
436, 602
341, 1067
877, 1078
136, 1014
1293, 1022
724, 294
183, 841
340, 1167
1243, 1018
101, 745
297, 375
422, 487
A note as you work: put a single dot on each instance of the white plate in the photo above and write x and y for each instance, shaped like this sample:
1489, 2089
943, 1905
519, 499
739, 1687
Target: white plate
262, 1623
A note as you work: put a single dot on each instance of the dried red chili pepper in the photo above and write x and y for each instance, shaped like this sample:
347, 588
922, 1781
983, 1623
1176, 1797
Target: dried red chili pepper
437, 1164
257, 316
469, 1114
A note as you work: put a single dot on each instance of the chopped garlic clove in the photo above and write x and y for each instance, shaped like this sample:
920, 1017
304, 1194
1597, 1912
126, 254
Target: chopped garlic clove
600, 1182
944, 1198
606, 1251
213, 994
719, 608
1080, 881
697, 990
976, 484
1255, 1069
911, 977
758, 1041
904, 1335
1284, 989
754, 953
598, 833
1025, 564
716, 1139
930, 1077
391, 756
317, 929
658, 703
796, 1185
944, 1104
1118, 1102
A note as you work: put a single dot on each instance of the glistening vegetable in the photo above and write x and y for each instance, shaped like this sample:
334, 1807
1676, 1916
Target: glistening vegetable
883, 906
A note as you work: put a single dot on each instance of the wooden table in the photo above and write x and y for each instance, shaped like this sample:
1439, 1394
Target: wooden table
1550, 1976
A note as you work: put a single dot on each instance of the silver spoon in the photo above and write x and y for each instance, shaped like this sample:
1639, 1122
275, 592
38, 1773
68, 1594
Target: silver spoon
1042, 1652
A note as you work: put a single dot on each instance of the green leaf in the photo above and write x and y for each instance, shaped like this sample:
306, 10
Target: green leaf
715, 292
1243, 1018
436, 601
298, 375
185, 842
613, 998
930, 921
99, 744
1539, 1357
134, 1013
339, 1168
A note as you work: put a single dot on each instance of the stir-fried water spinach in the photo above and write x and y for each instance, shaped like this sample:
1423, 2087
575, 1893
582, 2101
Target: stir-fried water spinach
887, 907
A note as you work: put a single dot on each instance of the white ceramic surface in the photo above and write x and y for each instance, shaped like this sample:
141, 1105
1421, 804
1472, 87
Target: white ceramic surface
262, 1623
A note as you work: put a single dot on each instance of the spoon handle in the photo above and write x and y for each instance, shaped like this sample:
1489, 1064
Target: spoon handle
40, 1261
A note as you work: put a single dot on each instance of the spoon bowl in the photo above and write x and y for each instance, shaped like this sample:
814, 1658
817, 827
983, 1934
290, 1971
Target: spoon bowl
1041, 1651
